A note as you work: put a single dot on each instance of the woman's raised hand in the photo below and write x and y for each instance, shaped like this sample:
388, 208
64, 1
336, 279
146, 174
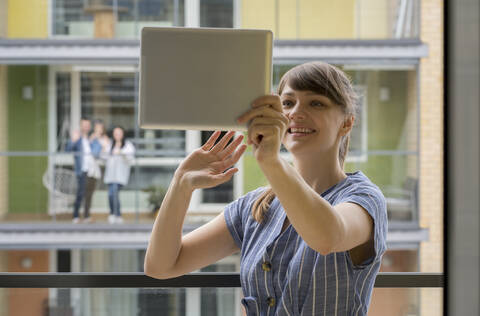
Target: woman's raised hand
211, 164
266, 127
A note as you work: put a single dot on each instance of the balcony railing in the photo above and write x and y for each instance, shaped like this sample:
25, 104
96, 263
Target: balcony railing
197, 280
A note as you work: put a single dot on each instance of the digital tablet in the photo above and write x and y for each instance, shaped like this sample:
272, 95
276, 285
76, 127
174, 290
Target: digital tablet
201, 78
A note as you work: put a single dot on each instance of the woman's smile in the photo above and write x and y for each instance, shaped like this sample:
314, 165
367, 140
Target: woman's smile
298, 131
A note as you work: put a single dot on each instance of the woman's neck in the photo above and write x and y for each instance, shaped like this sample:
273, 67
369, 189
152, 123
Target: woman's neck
320, 173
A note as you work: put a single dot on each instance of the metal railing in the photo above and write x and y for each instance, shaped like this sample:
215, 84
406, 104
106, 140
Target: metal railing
197, 280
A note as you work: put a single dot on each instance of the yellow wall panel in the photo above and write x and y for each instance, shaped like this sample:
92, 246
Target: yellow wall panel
327, 19
287, 16
302, 19
374, 19
3, 18
258, 14
27, 18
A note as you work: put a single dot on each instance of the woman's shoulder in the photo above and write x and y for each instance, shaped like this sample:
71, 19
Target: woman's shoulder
358, 183
128, 146
129, 143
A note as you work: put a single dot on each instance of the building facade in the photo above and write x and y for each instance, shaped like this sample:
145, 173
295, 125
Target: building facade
62, 60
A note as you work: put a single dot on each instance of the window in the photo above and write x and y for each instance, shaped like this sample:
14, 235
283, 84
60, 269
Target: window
79, 18
216, 13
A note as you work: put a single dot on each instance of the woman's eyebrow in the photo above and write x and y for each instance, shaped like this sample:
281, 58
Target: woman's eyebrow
309, 93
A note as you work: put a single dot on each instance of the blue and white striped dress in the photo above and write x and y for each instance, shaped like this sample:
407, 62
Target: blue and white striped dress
281, 275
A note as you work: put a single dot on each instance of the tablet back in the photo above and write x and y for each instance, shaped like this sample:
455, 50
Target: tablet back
201, 78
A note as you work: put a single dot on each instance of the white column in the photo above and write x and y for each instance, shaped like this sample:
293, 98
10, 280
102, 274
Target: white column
237, 13
75, 293
192, 13
192, 142
193, 302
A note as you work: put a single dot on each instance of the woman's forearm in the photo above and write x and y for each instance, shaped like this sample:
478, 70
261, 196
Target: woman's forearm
166, 238
312, 216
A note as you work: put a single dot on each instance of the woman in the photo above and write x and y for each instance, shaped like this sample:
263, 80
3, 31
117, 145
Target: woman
311, 243
99, 134
97, 141
117, 170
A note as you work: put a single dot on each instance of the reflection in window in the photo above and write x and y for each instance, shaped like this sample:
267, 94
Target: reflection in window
222, 193
63, 109
358, 136
216, 13
111, 98
76, 17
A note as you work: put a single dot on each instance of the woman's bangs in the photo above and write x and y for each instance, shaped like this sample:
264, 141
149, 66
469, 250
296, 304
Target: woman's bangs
301, 80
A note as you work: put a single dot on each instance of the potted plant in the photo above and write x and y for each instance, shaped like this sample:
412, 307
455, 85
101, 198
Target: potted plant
156, 195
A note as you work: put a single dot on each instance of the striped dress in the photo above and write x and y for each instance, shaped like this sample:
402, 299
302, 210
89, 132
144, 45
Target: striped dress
281, 275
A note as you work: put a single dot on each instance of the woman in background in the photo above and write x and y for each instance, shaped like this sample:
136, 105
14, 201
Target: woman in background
118, 158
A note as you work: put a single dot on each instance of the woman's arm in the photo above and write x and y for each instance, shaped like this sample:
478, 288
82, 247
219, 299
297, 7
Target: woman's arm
128, 152
168, 253
324, 228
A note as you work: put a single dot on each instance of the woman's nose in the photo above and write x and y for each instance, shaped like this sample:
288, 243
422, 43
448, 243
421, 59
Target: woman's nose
296, 112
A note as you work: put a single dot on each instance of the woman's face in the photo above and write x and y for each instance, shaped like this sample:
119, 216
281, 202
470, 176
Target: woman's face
99, 129
117, 134
315, 122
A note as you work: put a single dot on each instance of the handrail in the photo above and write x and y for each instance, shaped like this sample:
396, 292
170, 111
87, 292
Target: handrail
203, 280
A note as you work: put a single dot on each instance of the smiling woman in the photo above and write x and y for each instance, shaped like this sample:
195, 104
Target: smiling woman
313, 220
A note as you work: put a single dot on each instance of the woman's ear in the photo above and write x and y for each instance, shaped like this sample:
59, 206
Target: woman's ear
347, 124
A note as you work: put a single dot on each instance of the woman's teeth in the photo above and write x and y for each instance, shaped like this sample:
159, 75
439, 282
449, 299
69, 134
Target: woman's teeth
301, 130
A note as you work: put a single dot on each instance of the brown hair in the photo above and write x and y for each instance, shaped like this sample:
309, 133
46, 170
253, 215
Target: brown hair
324, 79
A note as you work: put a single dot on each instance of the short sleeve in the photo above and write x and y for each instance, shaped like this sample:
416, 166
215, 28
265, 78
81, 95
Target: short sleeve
236, 215
372, 200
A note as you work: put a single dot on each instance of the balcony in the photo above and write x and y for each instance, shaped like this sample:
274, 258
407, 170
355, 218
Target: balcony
192, 294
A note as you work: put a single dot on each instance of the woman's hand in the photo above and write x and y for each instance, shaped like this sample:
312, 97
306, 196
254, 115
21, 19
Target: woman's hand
267, 126
210, 165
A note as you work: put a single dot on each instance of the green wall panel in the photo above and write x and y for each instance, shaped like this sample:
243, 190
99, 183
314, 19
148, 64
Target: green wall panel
27, 131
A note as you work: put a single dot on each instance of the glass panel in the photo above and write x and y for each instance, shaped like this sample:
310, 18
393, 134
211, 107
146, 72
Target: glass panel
299, 19
70, 18
222, 193
406, 302
397, 177
110, 98
63, 83
188, 301
389, 94
216, 13
110, 18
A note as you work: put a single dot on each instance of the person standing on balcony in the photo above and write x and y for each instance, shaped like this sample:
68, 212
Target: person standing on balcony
86, 167
311, 243
98, 141
118, 160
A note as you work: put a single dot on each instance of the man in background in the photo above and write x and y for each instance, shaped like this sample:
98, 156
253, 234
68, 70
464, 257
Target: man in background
85, 154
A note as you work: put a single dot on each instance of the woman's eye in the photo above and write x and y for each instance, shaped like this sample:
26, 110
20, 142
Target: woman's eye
287, 103
316, 103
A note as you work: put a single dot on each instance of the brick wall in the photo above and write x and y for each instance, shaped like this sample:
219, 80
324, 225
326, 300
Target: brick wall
431, 150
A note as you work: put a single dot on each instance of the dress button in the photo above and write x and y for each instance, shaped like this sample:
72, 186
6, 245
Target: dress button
271, 301
266, 266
